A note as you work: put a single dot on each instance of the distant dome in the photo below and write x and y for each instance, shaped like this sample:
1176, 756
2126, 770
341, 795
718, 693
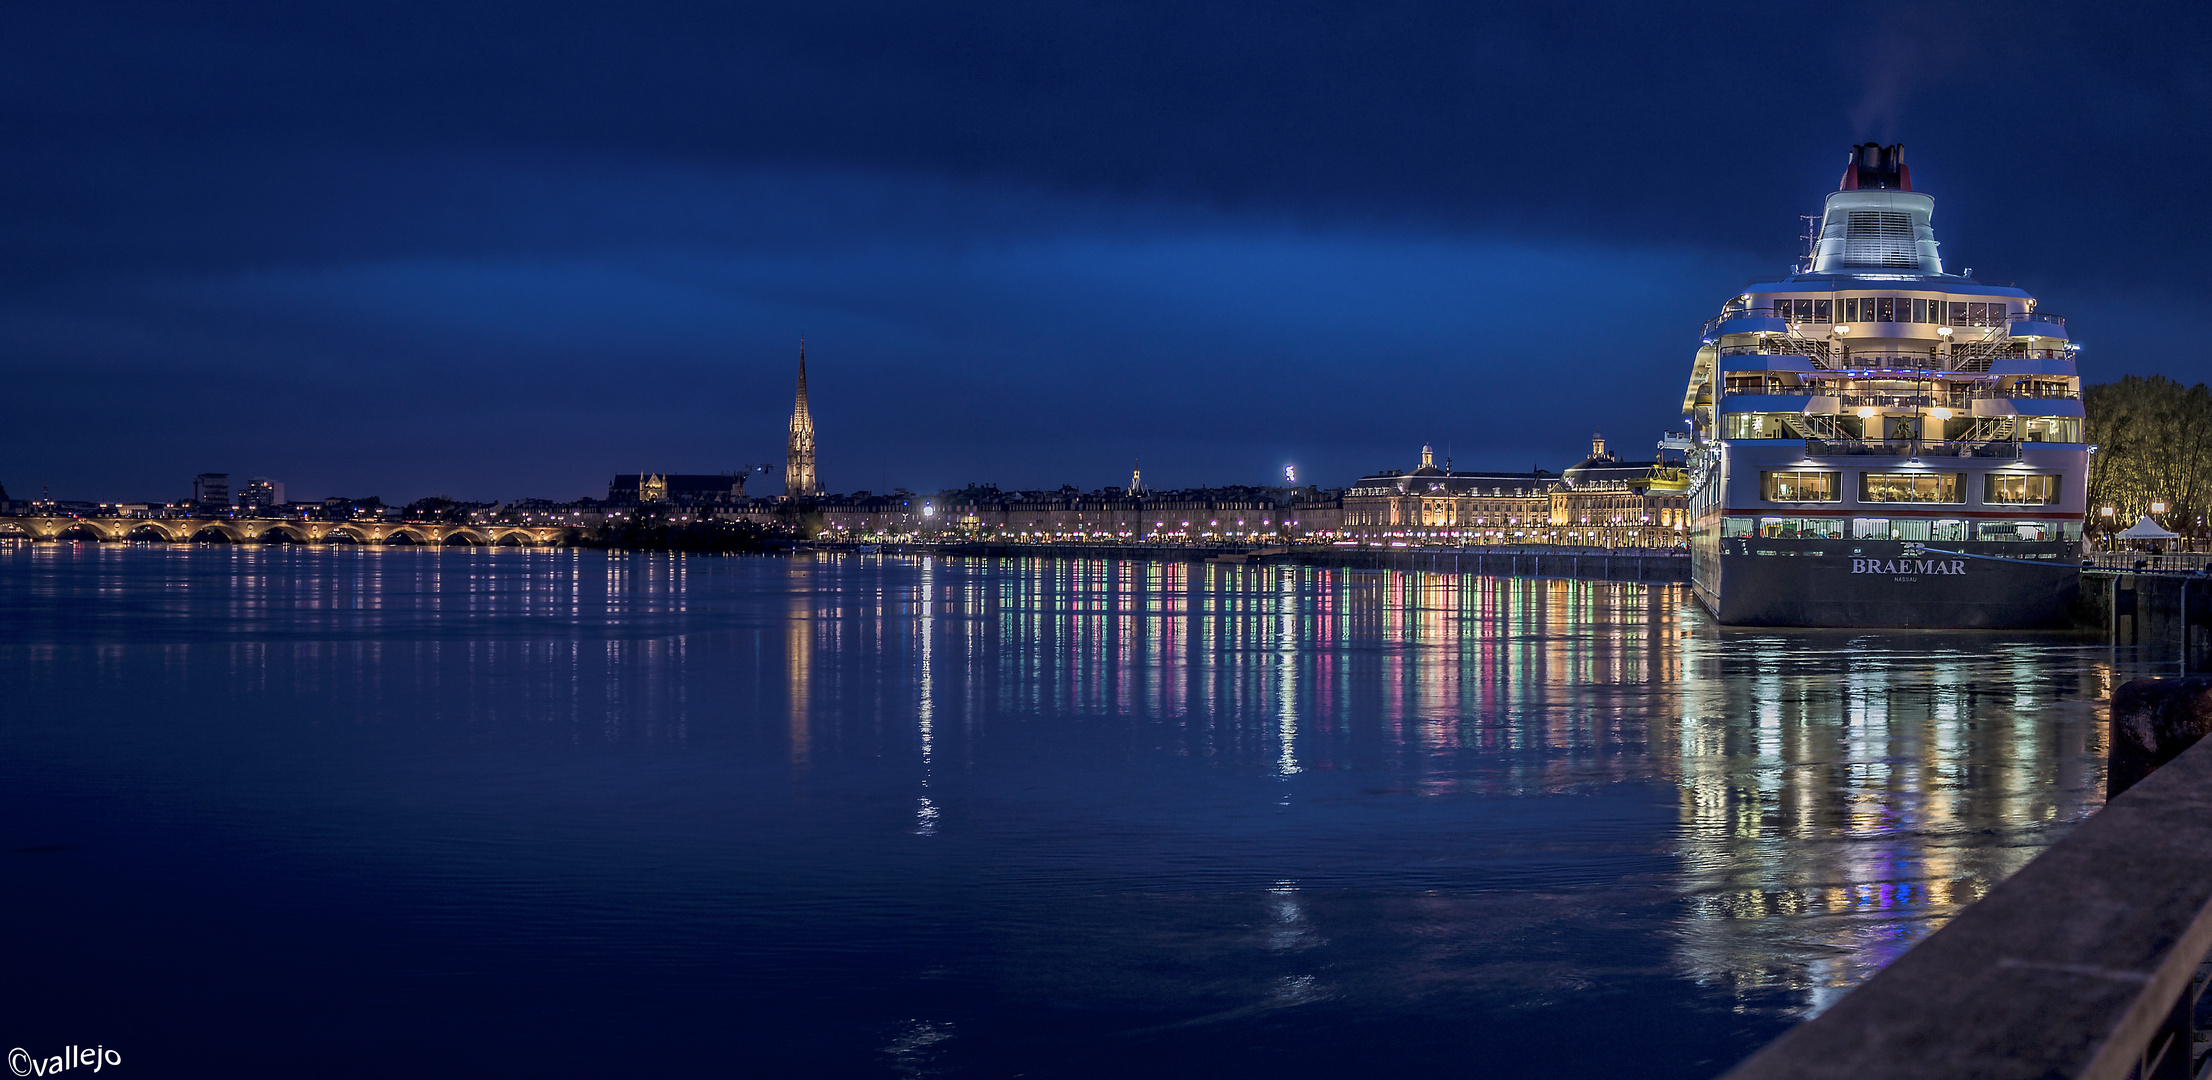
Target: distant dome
1598, 466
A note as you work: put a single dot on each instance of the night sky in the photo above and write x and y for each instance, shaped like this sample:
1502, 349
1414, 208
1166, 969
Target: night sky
506, 250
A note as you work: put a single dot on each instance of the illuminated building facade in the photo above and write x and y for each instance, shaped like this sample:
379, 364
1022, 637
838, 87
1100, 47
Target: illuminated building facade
1601, 502
1199, 515
680, 489
1606, 502
261, 493
211, 490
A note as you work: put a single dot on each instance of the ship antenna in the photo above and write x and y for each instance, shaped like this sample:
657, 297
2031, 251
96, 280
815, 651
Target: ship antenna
1811, 237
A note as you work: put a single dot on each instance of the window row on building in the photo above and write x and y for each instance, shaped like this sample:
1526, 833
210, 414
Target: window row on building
1977, 429
1900, 309
1878, 528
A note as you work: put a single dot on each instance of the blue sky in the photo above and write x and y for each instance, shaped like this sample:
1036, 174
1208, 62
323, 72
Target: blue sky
499, 251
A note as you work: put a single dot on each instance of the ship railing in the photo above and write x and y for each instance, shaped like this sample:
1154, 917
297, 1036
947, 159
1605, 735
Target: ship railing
1956, 399
1890, 359
1910, 448
1790, 315
1733, 314
1951, 400
1782, 347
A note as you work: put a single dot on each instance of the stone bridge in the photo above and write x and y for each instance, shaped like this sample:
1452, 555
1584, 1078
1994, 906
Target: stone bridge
276, 530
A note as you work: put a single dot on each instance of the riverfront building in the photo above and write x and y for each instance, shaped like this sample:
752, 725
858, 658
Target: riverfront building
1601, 501
261, 493
1204, 514
211, 490
677, 489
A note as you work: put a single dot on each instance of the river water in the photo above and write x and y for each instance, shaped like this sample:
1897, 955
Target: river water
360, 812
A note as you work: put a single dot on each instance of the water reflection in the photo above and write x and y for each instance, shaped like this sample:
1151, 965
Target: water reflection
1173, 798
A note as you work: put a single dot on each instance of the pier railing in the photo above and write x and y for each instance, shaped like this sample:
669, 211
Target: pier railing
2175, 561
2087, 964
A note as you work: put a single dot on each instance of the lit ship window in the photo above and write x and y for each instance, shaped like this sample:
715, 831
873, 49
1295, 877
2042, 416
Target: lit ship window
2004, 489
1800, 486
1912, 487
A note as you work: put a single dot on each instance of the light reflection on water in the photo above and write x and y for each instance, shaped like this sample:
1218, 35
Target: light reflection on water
921, 816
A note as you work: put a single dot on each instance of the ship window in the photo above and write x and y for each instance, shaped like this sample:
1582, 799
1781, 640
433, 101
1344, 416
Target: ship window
1800, 486
1750, 425
1941, 529
1958, 314
2057, 429
2013, 490
1870, 529
1801, 528
1919, 310
1977, 314
1737, 526
1885, 309
1850, 309
1821, 308
2016, 530
1911, 487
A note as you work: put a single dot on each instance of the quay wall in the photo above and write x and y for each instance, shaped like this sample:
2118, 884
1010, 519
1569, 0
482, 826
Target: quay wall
2164, 614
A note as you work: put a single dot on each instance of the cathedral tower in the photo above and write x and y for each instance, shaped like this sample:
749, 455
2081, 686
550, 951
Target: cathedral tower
798, 464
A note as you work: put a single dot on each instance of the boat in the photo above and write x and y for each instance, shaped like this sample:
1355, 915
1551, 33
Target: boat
1876, 442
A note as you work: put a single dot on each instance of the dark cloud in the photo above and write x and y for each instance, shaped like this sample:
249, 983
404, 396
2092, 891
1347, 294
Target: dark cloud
509, 248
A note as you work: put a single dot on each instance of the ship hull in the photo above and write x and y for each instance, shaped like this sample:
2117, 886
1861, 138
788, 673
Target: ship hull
1873, 583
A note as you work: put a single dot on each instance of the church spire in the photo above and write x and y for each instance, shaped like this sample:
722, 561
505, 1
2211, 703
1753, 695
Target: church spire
798, 466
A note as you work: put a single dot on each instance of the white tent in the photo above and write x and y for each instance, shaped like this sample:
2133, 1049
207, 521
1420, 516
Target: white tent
2146, 529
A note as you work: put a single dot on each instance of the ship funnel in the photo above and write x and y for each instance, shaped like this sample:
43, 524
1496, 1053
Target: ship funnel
1873, 165
1875, 220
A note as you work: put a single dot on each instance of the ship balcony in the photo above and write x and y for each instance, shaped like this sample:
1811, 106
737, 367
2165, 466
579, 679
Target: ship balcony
2027, 404
1970, 357
1953, 399
2045, 362
1909, 449
2037, 324
1782, 399
1767, 360
1757, 320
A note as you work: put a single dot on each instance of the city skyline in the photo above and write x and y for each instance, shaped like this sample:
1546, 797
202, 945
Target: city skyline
1027, 246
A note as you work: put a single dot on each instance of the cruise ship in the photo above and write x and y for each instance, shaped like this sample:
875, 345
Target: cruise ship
1878, 443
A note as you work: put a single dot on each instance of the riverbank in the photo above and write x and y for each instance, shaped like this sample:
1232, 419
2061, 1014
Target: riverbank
1598, 564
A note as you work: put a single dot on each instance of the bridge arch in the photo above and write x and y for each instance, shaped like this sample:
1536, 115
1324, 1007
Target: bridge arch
151, 530
346, 534
465, 535
281, 534
79, 531
215, 532
514, 538
407, 535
